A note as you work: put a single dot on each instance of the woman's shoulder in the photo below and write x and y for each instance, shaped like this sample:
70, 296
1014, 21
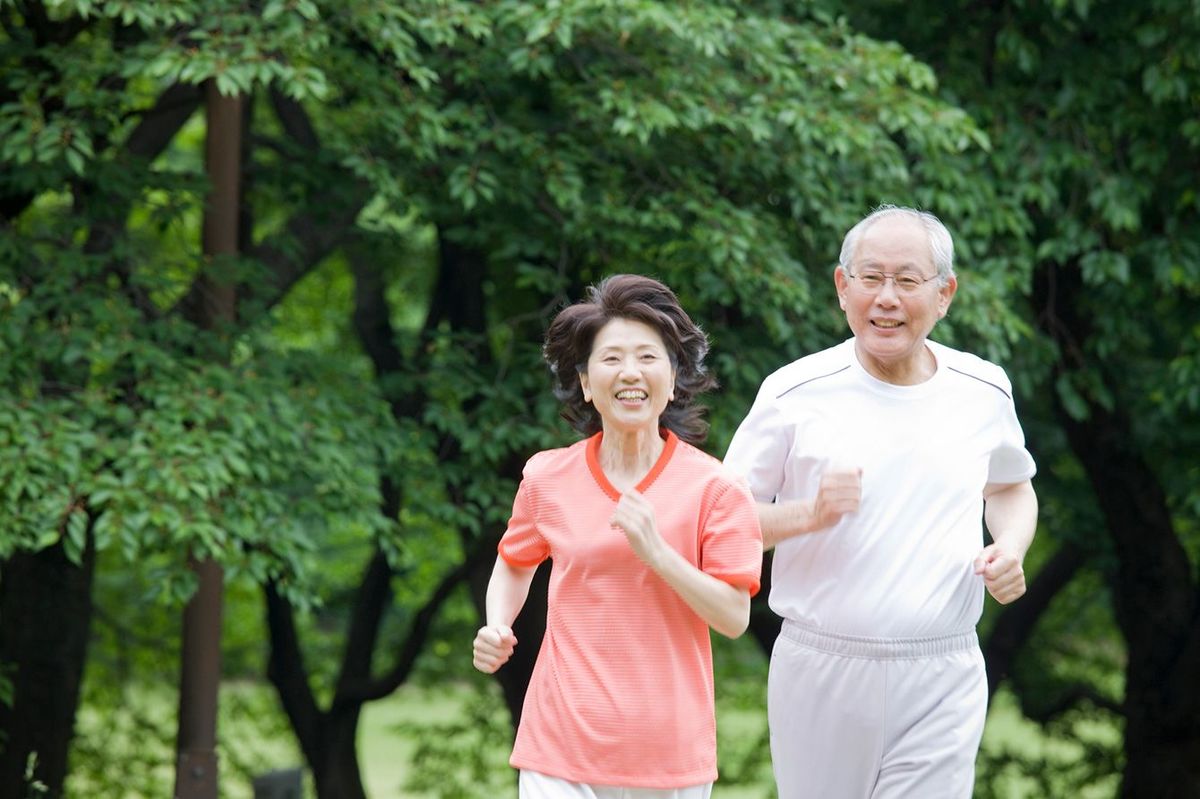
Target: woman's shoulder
552, 462
704, 466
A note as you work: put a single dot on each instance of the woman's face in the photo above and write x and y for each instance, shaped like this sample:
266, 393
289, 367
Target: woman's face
629, 378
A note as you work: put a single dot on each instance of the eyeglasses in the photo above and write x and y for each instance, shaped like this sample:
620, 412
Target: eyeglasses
905, 282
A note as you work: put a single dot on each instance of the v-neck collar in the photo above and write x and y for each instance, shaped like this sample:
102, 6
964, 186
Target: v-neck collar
593, 462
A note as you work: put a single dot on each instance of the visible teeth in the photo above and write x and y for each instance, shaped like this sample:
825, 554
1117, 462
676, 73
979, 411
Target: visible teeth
631, 394
886, 323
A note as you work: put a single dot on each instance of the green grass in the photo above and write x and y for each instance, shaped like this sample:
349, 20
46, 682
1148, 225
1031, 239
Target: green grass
387, 757
386, 754
440, 733
1011, 739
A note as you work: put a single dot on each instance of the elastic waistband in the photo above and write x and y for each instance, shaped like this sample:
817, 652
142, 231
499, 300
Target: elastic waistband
878, 648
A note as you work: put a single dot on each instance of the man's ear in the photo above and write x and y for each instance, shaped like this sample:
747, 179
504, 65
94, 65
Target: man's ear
842, 283
946, 295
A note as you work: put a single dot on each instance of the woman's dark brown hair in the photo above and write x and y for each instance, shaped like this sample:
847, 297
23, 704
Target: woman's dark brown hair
641, 299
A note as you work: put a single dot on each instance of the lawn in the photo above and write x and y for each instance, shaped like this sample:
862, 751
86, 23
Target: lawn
387, 757
451, 735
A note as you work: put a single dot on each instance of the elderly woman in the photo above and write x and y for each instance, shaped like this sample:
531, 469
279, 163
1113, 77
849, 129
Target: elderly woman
652, 543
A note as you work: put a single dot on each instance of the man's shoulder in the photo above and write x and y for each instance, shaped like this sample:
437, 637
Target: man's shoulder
968, 365
810, 369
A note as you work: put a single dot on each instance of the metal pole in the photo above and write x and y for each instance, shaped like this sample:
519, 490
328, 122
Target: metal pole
200, 667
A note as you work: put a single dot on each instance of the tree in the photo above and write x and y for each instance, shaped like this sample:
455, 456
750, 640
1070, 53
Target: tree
121, 430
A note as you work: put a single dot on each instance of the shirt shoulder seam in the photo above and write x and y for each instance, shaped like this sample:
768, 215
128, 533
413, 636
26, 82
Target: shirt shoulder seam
980, 379
812, 379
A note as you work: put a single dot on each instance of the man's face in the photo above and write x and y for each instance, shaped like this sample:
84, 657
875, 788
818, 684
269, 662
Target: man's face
890, 325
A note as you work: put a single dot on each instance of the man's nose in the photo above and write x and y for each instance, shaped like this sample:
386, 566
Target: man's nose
887, 293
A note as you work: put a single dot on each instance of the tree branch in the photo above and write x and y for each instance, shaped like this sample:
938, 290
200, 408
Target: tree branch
295, 121
162, 121
286, 671
414, 642
146, 141
1071, 697
365, 620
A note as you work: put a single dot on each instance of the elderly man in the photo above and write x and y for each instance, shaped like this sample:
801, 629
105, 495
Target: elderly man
875, 463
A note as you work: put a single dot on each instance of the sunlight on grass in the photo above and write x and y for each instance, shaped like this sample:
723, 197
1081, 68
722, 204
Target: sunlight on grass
386, 754
1011, 741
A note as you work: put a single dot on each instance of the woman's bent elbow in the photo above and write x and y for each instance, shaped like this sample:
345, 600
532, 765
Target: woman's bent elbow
737, 623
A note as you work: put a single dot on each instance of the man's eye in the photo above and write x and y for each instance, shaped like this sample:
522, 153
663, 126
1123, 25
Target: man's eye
906, 282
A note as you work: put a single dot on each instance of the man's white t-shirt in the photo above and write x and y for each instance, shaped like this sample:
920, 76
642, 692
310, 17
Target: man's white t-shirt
902, 566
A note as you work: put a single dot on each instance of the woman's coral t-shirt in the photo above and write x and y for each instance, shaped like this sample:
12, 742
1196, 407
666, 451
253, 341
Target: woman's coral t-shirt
622, 692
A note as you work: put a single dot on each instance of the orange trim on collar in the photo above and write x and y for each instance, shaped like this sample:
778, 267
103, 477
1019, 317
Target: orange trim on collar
593, 462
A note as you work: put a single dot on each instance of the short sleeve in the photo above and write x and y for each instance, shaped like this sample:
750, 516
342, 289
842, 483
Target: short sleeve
759, 449
731, 540
522, 545
1010, 461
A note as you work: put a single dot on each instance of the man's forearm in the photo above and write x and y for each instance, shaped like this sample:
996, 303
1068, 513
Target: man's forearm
783, 520
1011, 514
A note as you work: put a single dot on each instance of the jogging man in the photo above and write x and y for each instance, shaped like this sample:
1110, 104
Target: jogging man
875, 463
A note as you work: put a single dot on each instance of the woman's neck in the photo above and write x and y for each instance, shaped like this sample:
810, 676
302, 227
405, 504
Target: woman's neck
628, 456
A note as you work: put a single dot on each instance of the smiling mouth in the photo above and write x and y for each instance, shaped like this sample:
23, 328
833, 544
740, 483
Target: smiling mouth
631, 394
887, 324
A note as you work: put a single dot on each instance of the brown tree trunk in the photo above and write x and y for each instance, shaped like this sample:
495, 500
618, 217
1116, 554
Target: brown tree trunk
196, 765
336, 773
1156, 608
45, 617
